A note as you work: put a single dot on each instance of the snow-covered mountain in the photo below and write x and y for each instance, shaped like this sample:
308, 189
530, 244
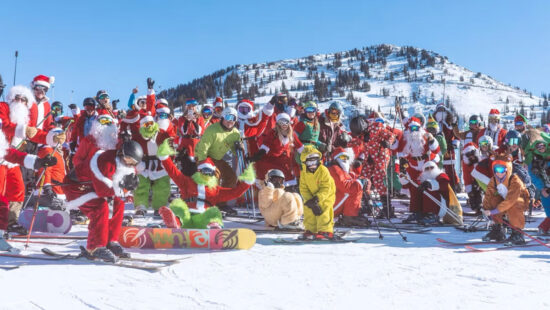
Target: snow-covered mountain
368, 78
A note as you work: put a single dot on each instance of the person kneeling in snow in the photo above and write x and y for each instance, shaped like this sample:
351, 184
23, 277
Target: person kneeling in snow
505, 195
200, 193
319, 192
279, 208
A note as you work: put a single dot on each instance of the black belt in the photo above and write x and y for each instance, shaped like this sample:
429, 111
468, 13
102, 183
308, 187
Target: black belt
191, 137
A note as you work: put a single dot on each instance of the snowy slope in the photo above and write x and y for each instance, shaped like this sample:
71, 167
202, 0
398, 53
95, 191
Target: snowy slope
371, 273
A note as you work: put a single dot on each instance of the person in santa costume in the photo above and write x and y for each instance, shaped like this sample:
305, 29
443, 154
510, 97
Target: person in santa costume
190, 129
280, 105
199, 193
15, 157
164, 117
152, 176
494, 129
217, 111
377, 157
83, 123
349, 190
506, 195
279, 208
17, 127
277, 148
446, 119
436, 198
415, 148
471, 156
105, 177
138, 109
40, 112
252, 124
319, 194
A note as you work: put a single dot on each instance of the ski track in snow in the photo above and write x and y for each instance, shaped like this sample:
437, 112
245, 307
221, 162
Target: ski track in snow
371, 272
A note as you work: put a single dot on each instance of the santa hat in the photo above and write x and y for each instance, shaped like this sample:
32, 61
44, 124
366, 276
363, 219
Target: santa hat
414, 121
218, 102
429, 164
339, 151
207, 163
43, 80
470, 146
283, 116
520, 118
494, 113
162, 106
246, 102
146, 119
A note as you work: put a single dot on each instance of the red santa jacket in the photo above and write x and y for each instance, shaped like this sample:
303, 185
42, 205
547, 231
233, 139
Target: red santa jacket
54, 173
151, 166
431, 149
343, 181
254, 127
14, 157
12, 130
200, 197
189, 133
39, 114
497, 136
274, 147
131, 122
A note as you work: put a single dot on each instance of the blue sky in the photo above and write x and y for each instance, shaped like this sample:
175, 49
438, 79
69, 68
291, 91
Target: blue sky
116, 45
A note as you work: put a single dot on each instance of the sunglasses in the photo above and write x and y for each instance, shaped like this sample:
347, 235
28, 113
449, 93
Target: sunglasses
207, 171
334, 111
244, 109
415, 128
20, 99
520, 123
230, 118
163, 115
310, 110
105, 121
499, 169
40, 87
104, 96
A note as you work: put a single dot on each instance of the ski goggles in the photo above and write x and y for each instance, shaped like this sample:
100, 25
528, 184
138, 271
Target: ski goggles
103, 96
520, 123
41, 88
148, 124
334, 111
207, 171
483, 143
540, 146
312, 161
207, 111
310, 109
494, 120
379, 120
191, 102
20, 99
499, 168
230, 118
105, 120
56, 108
244, 109
513, 141
283, 122
343, 157
163, 115
474, 122
414, 128
129, 161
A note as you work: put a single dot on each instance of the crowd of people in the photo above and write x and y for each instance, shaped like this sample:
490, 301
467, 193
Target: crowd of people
289, 158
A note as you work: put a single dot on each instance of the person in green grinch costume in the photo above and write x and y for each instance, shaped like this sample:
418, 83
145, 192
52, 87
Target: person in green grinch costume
199, 193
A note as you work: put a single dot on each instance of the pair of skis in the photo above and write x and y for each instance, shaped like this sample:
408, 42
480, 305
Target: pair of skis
469, 246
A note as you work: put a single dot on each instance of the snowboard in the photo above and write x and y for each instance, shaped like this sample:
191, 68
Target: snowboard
51, 221
172, 238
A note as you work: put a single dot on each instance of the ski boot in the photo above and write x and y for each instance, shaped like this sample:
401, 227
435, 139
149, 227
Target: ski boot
496, 233
169, 218
18, 229
127, 220
324, 235
227, 210
413, 218
140, 211
516, 238
117, 249
429, 220
355, 221
101, 253
296, 225
4, 245
388, 211
156, 214
307, 235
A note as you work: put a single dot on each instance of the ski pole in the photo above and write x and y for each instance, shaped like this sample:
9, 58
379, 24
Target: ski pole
15, 70
392, 223
376, 223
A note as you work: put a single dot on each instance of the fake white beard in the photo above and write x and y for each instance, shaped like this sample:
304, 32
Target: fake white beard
493, 127
19, 113
343, 164
106, 136
415, 142
121, 171
4, 145
163, 123
430, 174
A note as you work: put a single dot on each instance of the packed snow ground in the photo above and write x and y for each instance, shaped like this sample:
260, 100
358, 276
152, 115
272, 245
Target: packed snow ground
369, 273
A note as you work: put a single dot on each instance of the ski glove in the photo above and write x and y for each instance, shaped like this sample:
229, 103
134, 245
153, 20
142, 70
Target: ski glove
249, 175
239, 146
129, 182
257, 156
356, 164
345, 137
424, 186
384, 144
150, 83
44, 162
313, 204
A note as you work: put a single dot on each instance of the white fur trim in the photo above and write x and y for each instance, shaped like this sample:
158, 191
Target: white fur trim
20, 131
448, 162
434, 145
29, 160
201, 194
282, 116
97, 173
146, 119
480, 176
339, 204
40, 116
163, 158
403, 181
468, 149
150, 92
434, 184
265, 147
41, 83
442, 208
131, 120
206, 165
73, 204
268, 109
165, 110
502, 190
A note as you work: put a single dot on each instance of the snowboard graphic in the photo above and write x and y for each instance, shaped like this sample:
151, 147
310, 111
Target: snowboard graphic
51, 221
172, 238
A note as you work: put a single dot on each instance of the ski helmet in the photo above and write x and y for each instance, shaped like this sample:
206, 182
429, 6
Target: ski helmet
474, 119
486, 140
275, 173
357, 125
420, 117
88, 101
336, 105
57, 108
228, 113
310, 105
132, 149
512, 137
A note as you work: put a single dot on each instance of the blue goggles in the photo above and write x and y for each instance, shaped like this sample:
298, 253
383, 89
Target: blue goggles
163, 115
520, 123
513, 141
207, 111
414, 128
230, 118
191, 102
379, 120
310, 109
499, 169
